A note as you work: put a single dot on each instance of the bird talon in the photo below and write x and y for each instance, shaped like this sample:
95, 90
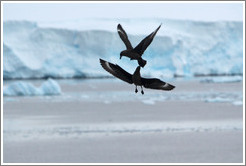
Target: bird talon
142, 92
136, 91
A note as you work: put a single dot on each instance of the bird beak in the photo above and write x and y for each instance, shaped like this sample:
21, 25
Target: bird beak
120, 56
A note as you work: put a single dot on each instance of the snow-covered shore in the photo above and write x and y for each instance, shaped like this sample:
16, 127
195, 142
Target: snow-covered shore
87, 123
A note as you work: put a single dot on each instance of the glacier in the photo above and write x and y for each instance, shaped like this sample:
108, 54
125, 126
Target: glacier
180, 48
20, 88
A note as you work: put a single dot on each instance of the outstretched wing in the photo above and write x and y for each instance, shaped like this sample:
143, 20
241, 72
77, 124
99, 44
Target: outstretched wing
142, 46
116, 71
124, 37
154, 83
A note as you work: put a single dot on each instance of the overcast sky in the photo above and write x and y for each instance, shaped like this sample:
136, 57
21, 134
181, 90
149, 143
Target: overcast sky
72, 11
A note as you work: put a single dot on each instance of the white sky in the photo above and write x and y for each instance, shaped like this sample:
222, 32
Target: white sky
74, 11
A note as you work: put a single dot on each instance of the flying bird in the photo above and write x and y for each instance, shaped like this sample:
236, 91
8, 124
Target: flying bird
135, 78
137, 52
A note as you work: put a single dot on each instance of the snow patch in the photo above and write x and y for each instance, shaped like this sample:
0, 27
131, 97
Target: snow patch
71, 131
237, 103
149, 102
222, 79
217, 99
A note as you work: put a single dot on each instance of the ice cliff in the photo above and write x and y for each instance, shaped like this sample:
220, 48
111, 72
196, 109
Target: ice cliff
183, 48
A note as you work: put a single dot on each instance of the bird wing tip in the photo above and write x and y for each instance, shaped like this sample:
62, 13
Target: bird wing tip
102, 61
172, 87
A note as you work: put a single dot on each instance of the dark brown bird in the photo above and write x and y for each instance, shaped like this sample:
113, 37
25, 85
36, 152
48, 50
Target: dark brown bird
135, 78
137, 52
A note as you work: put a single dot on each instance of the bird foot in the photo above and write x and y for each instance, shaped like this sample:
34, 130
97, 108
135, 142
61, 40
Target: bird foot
136, 91
142, 92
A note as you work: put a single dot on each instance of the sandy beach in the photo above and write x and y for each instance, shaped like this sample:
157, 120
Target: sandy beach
104, 121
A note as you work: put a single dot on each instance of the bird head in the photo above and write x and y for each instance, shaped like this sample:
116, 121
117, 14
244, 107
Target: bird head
122, 53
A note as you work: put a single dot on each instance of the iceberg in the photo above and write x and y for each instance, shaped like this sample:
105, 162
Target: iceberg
20, 88
180, 48
50, 87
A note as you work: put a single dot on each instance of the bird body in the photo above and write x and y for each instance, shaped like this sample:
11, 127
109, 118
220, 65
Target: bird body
137, 52
135, 78
130, 54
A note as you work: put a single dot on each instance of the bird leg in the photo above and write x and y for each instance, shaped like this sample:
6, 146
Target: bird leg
136, 90
142, 90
